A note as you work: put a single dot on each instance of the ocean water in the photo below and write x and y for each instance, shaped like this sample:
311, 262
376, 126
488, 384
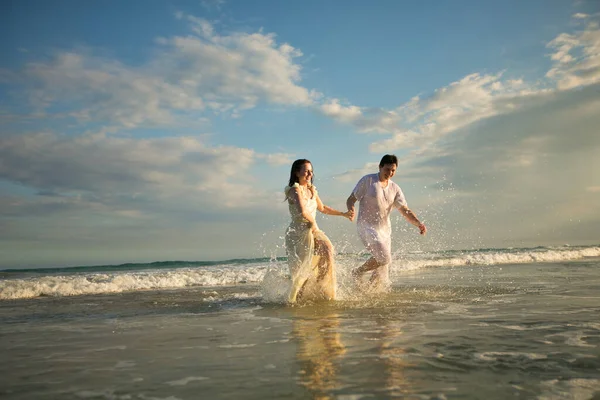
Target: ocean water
481, 324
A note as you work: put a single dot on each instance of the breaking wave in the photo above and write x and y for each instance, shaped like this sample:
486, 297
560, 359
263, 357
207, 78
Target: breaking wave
19, 284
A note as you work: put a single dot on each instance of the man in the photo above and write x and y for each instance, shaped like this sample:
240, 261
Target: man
377, 196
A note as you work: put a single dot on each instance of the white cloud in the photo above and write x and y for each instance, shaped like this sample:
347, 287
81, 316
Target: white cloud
353, 175
277, 159
188, 77
119, 172
366, 120
576, 57
580, 15
212, 4
519, 152
333, 109
422, 122
240, 66
474, 98
520, 156
526, 176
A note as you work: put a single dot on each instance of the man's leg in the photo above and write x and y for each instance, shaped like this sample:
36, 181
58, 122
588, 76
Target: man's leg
369, 265
378, 263
380, 275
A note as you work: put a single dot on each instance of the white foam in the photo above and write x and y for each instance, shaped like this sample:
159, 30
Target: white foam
574, 338
237, 346
106, 394
525, 256
528, 328
125, 364
185, 381
495, 355
117, 282
122, 347
275, 286
111, 395
234, 296
569, 389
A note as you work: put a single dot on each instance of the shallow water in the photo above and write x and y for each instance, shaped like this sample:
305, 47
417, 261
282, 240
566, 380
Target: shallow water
515, 331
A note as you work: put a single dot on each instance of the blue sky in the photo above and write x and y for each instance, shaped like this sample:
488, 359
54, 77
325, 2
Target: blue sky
142, 131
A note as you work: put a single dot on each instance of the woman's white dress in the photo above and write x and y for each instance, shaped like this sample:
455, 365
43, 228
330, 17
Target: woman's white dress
302, 260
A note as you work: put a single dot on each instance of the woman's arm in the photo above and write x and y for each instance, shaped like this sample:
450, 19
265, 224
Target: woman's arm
331, 211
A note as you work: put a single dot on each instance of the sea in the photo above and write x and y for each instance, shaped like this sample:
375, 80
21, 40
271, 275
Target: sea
518, 323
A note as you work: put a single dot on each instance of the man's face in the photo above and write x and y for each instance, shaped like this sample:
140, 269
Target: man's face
387, 171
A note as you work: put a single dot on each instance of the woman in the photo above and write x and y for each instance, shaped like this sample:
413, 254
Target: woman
310, 253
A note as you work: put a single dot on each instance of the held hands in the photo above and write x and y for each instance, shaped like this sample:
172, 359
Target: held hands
349, 214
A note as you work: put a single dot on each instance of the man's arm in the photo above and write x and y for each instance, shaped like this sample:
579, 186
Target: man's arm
412, 218
350, 202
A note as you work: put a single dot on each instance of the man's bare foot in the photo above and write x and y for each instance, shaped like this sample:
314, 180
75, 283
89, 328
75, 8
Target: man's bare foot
375, 277
356, 273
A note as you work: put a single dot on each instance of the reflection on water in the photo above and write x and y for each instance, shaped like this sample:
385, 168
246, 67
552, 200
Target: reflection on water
393, 357
332, 356
320, 350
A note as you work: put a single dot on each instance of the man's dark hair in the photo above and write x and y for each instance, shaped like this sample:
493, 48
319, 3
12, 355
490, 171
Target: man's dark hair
388, 159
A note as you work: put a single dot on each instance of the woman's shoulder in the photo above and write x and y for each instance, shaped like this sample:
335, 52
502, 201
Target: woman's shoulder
287, 189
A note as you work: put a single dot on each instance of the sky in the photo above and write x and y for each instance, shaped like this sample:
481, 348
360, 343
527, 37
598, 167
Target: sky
145, 131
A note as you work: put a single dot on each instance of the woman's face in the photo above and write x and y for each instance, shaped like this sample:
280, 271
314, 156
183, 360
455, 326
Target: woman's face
305, 173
